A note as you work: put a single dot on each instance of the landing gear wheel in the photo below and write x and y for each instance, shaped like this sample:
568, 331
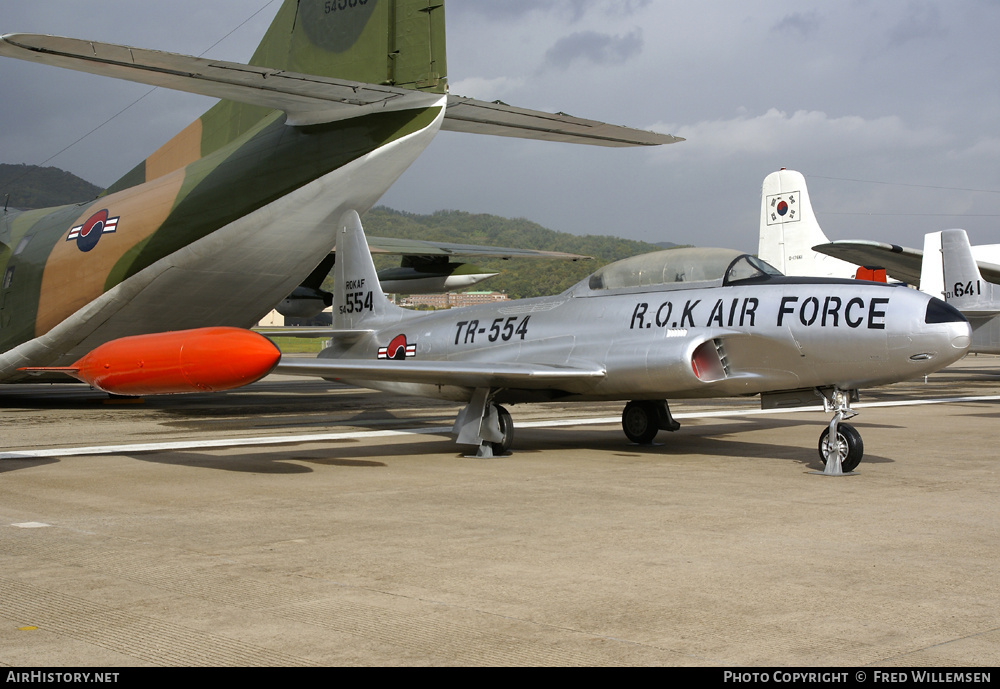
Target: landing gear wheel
507, 429
851, 446
639, 421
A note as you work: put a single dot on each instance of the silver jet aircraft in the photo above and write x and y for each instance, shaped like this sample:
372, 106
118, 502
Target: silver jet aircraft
682, 323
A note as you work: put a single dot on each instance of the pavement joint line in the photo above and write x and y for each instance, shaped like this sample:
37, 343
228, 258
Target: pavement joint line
347, 435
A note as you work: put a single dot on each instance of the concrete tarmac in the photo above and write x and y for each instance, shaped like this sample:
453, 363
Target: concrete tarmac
714, 547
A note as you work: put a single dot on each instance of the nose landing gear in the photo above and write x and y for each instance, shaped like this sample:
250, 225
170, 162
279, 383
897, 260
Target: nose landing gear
840, 445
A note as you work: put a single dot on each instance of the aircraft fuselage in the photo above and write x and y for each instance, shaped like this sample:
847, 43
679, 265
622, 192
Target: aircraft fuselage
216, 242
780, 334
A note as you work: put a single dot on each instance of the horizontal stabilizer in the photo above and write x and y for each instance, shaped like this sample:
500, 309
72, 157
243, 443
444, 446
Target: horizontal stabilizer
482, 117
459, 373
306, 99
309, 99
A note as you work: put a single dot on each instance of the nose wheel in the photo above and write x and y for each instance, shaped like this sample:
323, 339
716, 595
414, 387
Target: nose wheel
840, 445
849, 447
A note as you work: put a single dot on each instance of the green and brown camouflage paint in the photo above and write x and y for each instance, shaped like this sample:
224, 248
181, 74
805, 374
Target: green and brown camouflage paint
233, 160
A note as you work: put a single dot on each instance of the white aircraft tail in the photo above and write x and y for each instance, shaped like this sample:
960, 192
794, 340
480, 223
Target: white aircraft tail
359, 304
964, 286
789, 230
931, 275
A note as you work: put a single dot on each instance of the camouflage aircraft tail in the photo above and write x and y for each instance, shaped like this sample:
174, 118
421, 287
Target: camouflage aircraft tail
233, 213
397, 43
390, 42
964, 286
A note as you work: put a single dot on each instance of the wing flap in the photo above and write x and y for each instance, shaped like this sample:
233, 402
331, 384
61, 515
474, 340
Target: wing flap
458, 373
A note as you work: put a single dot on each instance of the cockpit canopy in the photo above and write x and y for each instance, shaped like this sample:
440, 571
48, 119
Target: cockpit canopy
678, 267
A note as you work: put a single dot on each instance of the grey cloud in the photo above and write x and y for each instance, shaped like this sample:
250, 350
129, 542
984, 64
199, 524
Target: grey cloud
804, 23
573, 10
595, 47
922, 20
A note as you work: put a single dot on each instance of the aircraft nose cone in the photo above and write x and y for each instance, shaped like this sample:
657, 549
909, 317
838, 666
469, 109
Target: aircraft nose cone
945, 335
962, 341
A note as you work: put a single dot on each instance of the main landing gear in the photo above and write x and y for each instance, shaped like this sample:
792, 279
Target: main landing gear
643, 419
843, 453
485, 425
506, 431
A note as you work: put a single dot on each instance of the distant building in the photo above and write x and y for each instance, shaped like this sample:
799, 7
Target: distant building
455, 299
272, 320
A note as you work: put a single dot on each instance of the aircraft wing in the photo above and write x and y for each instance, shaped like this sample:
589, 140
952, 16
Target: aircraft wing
306, 98
460, 373
322, 333
483, 117
900, 263
418, 247
310, 99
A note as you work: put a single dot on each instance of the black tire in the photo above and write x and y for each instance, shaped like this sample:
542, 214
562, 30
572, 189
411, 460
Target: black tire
639, 421
507, 429
852, 449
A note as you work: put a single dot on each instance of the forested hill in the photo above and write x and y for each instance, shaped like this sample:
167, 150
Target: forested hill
31, 186
518, 277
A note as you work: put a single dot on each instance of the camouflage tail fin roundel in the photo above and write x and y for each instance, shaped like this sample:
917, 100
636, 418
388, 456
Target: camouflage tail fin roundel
393, 42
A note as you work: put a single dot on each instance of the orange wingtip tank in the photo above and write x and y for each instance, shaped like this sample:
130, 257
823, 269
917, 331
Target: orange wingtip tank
200, 360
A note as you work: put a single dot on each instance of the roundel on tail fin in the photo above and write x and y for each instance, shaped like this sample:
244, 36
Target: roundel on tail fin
335, 25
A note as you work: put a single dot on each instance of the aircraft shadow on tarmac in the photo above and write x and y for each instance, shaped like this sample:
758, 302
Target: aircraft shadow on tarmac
706, 440
284, 460
26, 463
712, 440
272, 412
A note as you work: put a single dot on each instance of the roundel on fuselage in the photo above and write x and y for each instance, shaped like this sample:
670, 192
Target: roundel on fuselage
89, 233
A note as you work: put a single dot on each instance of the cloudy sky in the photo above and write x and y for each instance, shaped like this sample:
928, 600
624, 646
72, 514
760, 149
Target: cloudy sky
891, 109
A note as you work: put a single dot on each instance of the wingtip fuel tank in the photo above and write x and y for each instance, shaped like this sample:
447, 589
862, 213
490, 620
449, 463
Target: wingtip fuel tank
199, 360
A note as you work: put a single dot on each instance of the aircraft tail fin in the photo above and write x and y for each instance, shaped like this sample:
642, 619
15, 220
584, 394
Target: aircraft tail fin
964, 286
358, 300
931, 277
399, 43
789, 229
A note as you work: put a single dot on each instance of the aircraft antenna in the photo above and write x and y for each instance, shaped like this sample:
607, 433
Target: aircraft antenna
202, 54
